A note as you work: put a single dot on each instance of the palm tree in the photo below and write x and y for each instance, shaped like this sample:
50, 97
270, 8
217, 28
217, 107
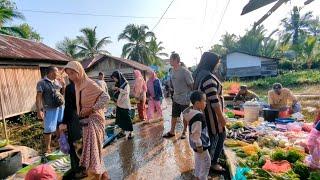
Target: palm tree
229, 41
314, 28
269, 45
8, 14
69, 47
156, 49
251, 42
137, 46
310, 50
295, 27
90, 45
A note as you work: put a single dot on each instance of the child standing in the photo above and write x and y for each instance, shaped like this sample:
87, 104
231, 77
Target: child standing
198, 138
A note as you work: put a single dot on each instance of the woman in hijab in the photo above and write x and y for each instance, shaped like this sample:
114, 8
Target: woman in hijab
122, 91
139, 92
207, 82
90, 102
154, 97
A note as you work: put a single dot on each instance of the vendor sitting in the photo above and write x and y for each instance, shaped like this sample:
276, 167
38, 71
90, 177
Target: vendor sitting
244, 95
279, 98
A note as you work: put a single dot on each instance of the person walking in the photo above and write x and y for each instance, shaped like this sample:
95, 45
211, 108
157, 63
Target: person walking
139, 92
72, 125
154, 97
49, 102
182, 83
209, 84
121, 94
90, 102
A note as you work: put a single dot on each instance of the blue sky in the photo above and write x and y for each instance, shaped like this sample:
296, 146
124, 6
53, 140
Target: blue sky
194, 26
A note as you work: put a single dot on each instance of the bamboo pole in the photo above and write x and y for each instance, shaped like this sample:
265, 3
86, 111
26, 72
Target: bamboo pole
4, 120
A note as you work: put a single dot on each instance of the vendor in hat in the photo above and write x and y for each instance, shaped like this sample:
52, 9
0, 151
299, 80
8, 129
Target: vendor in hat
244, 95
282, 99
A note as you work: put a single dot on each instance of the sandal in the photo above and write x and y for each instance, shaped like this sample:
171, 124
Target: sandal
217, 168
168, 135
183, 136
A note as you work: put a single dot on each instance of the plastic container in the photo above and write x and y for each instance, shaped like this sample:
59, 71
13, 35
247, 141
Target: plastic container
251, 111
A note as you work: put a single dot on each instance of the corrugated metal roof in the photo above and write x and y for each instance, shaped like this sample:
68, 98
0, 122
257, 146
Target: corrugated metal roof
17, 48
87, 63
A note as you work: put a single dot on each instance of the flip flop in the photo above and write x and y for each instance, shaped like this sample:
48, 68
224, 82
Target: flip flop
220, 169
168, 135
183, 136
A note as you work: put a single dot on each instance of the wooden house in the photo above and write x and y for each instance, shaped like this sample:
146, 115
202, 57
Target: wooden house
107, 64
22, 64
240, 64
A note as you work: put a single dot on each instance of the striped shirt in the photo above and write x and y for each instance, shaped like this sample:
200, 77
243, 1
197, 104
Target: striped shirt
212, 87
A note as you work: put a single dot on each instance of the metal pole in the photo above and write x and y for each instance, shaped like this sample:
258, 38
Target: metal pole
4, 120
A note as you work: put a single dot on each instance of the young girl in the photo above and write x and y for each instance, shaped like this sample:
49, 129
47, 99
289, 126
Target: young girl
154, 97
122, 91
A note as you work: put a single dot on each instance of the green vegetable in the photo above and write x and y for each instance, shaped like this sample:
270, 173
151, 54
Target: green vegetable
314, 175
302, 170
290, 175
278, 155
294, 155
241, 154
3, 143
262, 161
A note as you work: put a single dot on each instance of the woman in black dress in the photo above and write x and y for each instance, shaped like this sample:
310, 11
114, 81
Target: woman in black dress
71, 124
121, 96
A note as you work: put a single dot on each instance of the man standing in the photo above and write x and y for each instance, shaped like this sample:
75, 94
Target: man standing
182, 83
49, 102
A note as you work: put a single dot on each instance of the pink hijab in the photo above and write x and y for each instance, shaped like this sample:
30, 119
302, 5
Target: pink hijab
150, 83
140, 85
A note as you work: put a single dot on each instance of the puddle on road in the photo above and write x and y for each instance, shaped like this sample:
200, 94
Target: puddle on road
149, 156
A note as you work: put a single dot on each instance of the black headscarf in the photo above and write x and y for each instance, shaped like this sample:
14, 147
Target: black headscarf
122, 81
206, 66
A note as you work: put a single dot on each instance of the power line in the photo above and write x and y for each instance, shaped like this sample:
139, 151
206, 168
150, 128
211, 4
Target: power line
91, 14
162, 15
224, 12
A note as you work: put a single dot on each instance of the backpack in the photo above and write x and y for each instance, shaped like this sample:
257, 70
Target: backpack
204, 132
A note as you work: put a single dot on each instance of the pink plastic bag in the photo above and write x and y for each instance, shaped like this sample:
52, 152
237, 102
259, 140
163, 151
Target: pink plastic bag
314, 148
296, 127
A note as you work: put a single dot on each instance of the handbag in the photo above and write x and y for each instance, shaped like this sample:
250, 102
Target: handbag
57, 97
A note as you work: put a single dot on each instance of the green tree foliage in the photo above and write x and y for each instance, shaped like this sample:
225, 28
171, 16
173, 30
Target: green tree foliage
137, 47
89, 44
156, 52
69, 47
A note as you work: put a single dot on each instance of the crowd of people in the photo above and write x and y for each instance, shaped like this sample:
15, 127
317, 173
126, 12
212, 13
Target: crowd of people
78, 110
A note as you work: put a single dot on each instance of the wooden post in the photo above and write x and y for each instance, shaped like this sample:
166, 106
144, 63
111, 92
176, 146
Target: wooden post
4, 120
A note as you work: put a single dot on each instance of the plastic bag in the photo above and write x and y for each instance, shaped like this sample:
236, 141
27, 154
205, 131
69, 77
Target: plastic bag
277, 166
314, 148
64, 145
296, 127
240, 173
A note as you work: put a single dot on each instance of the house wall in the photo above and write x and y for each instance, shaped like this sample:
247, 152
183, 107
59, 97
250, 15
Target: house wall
239, 60
18, 89
110, 65
244, 65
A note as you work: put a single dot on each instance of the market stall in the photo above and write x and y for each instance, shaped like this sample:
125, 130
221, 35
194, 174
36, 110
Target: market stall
281, 148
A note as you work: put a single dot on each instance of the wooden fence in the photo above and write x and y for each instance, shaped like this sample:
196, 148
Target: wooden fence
18, 89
